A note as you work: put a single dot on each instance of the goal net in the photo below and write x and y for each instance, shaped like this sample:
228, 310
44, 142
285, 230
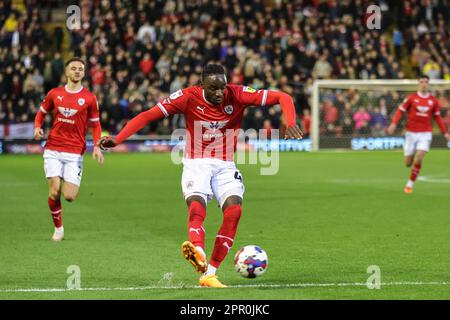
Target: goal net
354, 114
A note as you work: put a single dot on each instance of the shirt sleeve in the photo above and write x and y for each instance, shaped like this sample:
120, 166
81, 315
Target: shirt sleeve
175, 103
406, 104
93, 111
47, 103
249, 96
437, 107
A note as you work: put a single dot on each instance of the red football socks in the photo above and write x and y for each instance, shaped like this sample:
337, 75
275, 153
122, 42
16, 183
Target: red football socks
225, 237
55, 210
415, 172
196, 216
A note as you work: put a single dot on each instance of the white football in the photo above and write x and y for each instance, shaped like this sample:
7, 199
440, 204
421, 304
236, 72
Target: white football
251, 261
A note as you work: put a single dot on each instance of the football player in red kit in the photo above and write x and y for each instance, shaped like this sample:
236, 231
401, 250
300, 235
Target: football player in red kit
213, 112
73, 107
420, 107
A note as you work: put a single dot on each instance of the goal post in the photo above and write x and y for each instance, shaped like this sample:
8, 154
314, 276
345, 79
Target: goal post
334, 102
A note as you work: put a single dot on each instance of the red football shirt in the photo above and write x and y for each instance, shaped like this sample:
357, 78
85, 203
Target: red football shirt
420, 109
212, 129
71, 112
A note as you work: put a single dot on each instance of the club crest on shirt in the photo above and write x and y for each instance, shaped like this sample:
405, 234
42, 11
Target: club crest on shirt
81, 101
189, 184
228, 109
67, 112
430, 102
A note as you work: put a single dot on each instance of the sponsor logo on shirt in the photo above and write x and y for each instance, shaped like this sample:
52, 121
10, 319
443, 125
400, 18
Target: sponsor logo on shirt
423, 111
213, 125
67, 112
212, 129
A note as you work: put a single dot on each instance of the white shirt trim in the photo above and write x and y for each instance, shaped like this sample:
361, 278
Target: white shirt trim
94, 119
166, 114
264, 98
203, 95
220, 236
402, 109
70, 91
42, 109
423, 96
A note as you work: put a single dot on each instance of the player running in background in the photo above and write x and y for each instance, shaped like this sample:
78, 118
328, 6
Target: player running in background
73, 108
213, 112
419, 108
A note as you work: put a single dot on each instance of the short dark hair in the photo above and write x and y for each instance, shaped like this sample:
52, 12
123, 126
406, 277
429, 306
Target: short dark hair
424, 76
211, 69
78, 59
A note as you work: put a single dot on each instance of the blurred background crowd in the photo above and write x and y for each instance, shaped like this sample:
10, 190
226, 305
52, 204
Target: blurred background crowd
139, 51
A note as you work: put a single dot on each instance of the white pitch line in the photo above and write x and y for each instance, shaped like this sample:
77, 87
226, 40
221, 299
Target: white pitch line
433, 180
288, 285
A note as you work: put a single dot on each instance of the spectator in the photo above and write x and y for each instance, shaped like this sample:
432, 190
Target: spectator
322, 68
361, 119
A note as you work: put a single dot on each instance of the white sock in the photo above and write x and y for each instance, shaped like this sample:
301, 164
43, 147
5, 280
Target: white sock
201, 250
210, 270
410, 183
60, 228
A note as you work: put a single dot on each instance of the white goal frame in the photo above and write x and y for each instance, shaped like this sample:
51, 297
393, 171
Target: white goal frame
400, 85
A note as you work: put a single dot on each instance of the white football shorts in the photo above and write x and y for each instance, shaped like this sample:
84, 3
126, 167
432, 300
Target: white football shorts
211, 177
416, 141
68, 166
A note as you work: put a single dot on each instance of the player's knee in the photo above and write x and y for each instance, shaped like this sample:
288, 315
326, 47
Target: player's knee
193, 199
70, 197
232, 201
54, 194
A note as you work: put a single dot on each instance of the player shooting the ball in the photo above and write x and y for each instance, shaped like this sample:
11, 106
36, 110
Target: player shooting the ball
213, 111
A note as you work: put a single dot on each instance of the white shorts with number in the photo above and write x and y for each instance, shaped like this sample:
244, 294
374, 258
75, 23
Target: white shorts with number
68, 166
211, 177
416, 141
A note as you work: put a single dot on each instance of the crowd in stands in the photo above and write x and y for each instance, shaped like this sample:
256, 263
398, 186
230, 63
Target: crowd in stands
138, 51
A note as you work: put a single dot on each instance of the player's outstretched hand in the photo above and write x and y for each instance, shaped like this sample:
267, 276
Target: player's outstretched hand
98, 155
391, 128
293, 132
106, 142
38, 133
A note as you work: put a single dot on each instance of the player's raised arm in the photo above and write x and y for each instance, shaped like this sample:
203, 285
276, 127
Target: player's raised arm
175, 103
398, 115
250, 96
133, 126
287, 105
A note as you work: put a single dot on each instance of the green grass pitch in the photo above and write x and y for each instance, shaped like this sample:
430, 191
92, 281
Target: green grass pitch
323, 220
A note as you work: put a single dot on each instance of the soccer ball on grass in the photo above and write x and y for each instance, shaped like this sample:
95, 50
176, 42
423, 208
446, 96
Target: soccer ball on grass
251, 261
